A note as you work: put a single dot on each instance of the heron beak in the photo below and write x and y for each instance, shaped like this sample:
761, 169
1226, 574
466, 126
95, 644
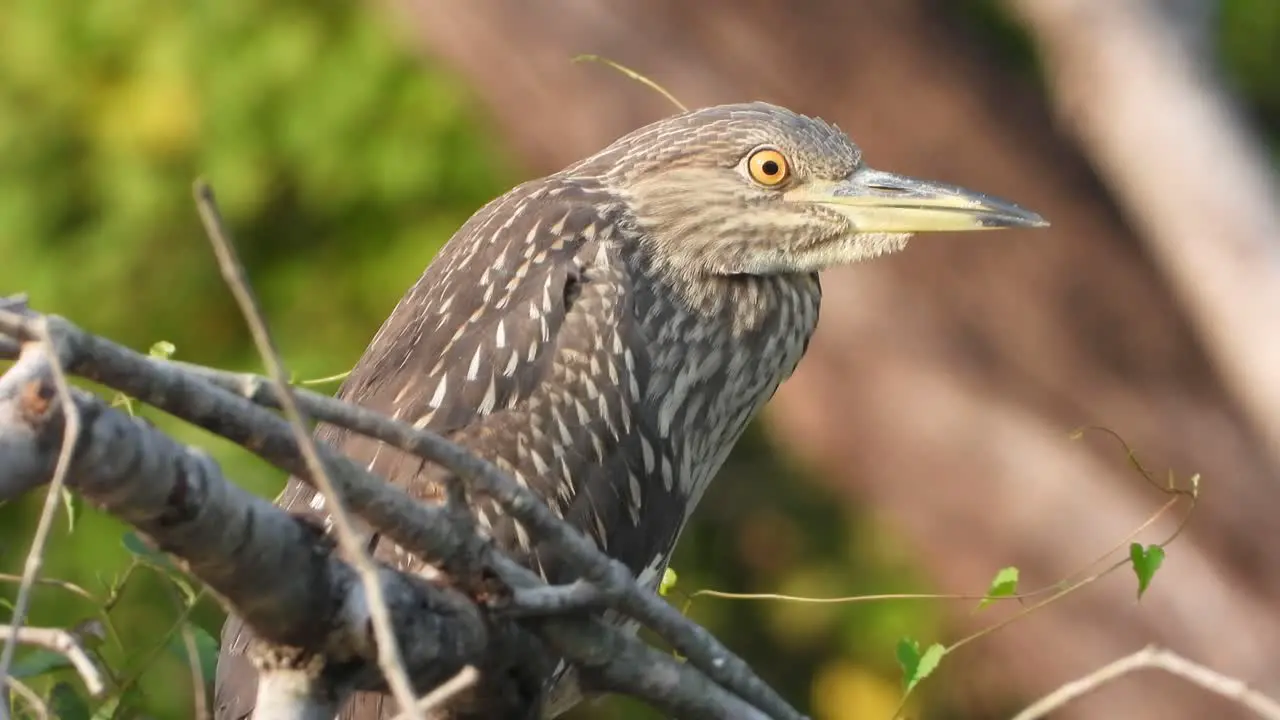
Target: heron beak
876, 201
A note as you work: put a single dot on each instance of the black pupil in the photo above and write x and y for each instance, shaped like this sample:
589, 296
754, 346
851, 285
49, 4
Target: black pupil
770, 167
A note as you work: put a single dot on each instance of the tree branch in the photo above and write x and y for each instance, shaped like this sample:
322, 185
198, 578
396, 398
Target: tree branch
64, 643
618, 589
236, 542
232, 540
1157, 659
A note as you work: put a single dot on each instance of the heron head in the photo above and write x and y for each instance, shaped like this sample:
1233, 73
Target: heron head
758, 189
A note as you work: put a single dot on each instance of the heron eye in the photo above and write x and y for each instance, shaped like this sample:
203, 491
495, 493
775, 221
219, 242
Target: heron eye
767, 167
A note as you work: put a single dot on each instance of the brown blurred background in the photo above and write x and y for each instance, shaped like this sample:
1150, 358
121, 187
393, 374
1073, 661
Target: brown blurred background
924, 442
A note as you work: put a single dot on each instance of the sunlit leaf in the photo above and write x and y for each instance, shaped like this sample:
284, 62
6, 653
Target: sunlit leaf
1004, 584
917, 665
669, 579
1146, 561
163, 350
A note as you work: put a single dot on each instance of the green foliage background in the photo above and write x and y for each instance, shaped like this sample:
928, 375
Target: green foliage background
343, 162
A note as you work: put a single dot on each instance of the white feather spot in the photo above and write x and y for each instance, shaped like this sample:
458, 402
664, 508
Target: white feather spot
608, 416
565, 489
583, 417
522, 536
438, 398
633, 484
490, 397
668, 476
649, 575
317, 502
647, 451
558, 228
539, 464
600, 531
501, 337
511, 364
374, 460
403, 391
474, 369
566, 440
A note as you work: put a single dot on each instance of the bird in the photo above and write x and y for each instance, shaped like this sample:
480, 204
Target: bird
604, 334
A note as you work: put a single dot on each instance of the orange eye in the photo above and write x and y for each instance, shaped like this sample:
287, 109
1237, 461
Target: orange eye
767, 167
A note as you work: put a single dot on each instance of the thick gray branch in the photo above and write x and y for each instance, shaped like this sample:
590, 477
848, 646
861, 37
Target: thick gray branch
234, 541
237, 543
180, 389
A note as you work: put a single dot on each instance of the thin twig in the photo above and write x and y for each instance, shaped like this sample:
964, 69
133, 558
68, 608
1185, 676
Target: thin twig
1156, 658
53, 582
652, 85
64, 643
35, 557
389, 658
465, 678
32, 699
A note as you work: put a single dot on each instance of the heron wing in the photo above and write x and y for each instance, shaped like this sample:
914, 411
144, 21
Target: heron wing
519, 342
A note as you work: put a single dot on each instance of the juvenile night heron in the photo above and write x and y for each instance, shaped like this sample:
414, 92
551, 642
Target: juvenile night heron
605, 334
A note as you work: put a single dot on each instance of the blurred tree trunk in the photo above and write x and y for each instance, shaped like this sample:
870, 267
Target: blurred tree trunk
943, 383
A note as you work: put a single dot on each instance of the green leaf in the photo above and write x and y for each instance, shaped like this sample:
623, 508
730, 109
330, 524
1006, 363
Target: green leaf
1146, 561
145, 552
917, 666
38, 662
206, 651
1004, 584
65, 704
668, 583
124, 401
163, 350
